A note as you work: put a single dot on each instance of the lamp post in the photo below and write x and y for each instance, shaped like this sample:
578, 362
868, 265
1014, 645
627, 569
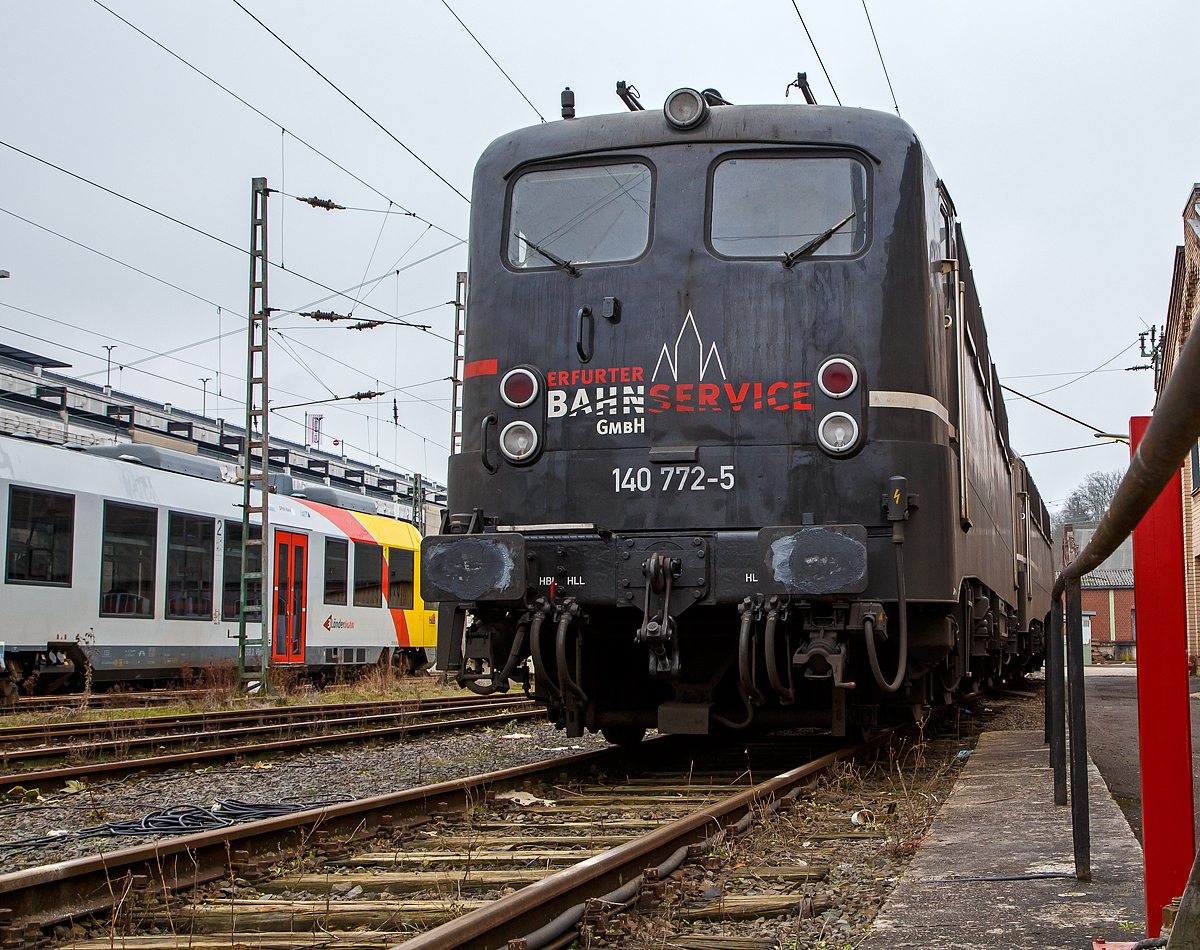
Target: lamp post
108, 368
204, 397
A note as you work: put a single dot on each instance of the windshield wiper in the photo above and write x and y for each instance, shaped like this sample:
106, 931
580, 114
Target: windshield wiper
790, 259
553, 258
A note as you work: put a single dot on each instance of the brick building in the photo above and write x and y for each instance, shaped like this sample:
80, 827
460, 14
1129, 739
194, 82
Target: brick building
1107, 593
1181, 315
1108, 603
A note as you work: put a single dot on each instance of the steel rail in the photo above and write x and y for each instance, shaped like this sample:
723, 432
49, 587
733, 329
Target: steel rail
228, 728
537, 905
259, 714
1173, 430
179, 759
54, 893
157, 697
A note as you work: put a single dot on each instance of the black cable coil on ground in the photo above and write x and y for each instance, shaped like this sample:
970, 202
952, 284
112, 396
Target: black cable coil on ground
178, 820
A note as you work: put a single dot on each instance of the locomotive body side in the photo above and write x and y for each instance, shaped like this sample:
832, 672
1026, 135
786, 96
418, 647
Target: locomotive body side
701, 498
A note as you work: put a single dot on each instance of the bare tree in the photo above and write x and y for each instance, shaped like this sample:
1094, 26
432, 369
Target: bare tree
1091, 499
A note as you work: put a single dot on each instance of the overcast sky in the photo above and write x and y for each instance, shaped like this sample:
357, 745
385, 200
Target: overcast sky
1066, 133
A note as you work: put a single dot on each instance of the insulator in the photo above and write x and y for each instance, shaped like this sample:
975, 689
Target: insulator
325, 203
324, 315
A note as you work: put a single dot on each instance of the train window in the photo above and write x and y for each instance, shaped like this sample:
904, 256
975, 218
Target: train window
368, 574
1195, 467
337, 559
400, 578
41, 528
775, 207
231, 601
189, 567
128, 559
589, 214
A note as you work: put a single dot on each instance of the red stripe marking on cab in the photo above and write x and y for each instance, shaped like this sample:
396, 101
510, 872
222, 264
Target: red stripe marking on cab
401, 625
351, 526
480, 368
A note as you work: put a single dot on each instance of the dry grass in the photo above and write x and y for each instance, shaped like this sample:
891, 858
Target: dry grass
219, 686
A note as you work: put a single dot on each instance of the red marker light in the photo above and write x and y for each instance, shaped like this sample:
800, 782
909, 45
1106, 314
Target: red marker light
519, 388
837, 378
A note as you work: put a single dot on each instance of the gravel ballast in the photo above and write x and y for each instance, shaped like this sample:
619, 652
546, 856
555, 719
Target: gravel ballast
355, 770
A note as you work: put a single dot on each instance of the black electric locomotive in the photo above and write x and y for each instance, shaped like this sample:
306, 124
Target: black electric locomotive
734, 452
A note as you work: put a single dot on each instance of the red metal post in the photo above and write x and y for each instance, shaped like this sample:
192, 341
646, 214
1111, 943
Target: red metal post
1164, 722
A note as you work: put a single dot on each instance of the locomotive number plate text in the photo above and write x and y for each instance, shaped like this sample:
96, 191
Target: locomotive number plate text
672, 478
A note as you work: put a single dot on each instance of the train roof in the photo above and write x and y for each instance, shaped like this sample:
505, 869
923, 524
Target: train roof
168, 460
110, 471
880, 134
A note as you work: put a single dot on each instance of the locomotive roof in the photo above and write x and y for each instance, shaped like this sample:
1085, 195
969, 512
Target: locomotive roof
880, 134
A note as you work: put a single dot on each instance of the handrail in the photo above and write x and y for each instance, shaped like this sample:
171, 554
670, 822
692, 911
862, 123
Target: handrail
1173, 430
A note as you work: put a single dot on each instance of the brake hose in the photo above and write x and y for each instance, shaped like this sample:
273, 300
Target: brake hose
902, 607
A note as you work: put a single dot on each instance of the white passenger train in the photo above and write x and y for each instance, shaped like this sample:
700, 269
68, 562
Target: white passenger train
129, 556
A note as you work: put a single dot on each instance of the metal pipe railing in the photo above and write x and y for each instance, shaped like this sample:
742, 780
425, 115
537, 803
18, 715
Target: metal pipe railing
1172, 432
1169, 437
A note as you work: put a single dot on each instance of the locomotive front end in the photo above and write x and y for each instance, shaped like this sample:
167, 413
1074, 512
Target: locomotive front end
704, 393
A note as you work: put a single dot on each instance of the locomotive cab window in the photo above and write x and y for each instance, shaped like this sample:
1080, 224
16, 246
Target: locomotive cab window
128, 560
789, 207
41, 528
591, 214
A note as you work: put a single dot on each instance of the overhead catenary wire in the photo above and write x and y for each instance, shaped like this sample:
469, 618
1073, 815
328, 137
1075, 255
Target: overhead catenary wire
133, 365
338, 90
1083, 376
155, 354
213, 237
370, 260
275, 123
1076, 372
813, 44
1057, 412
108, 257
1073, 448
511, 81
880, 52
361, 372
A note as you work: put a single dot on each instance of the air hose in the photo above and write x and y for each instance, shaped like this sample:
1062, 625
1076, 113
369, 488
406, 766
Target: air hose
902, 608
499, 683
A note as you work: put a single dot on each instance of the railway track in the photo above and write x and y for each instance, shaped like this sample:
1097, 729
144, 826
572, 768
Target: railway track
118, 700
220, 735
526, 854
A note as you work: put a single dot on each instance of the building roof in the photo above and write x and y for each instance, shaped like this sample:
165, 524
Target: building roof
1103, 580
32, 359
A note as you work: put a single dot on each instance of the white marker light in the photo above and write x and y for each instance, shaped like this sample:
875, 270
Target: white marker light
518, 441
838, 432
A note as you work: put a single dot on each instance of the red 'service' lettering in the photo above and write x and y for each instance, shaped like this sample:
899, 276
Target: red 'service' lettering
661, 393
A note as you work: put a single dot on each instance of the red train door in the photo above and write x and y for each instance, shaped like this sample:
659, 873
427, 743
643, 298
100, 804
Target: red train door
291, 573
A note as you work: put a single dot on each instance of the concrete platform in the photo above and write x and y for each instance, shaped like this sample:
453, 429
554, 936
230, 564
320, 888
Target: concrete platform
1001, 822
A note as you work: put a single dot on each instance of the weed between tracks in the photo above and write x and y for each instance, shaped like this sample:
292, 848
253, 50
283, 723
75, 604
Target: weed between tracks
214, 688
